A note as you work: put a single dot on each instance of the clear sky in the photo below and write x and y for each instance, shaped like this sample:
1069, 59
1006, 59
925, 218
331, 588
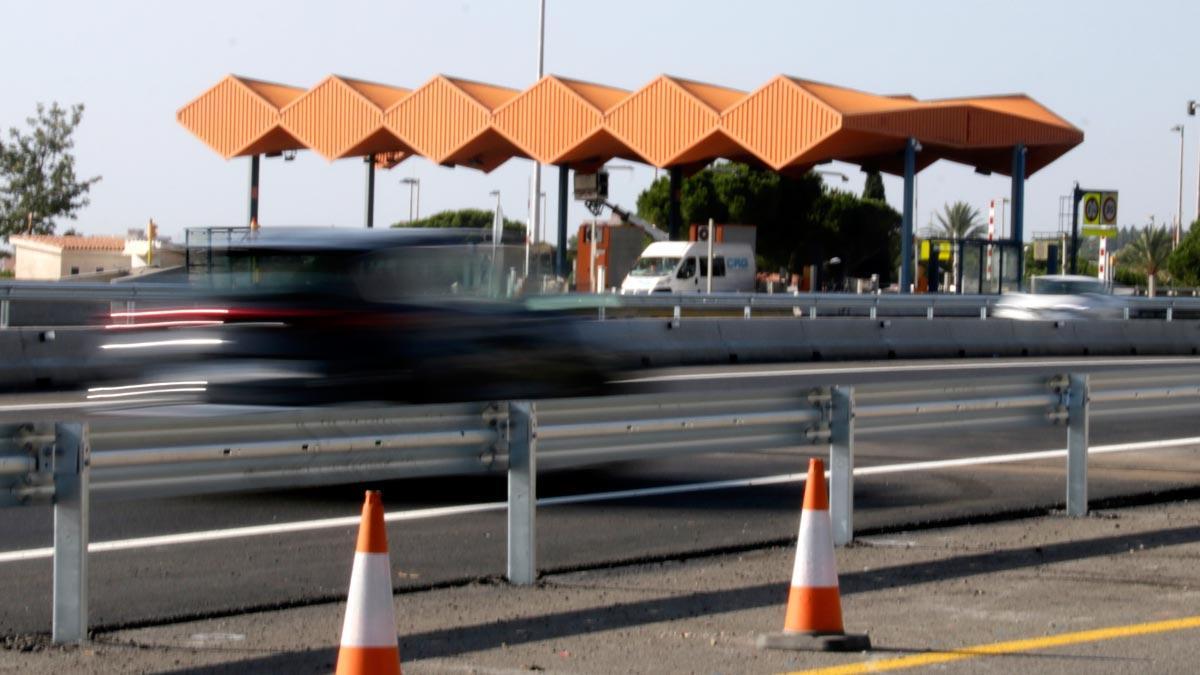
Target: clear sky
1121, 71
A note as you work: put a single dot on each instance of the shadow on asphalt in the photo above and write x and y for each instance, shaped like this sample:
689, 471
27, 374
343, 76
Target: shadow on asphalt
466, 639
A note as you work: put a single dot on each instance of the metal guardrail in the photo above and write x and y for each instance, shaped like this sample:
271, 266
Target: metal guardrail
73, 462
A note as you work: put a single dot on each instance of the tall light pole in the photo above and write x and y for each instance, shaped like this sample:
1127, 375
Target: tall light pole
497, 222
1192, 107
1179, 213
535, 190
413, 183
497, 233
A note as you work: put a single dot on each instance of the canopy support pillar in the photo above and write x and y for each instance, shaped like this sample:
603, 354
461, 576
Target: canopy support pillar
906, 228
560, 255
254, 159
370, 206
1018, 209
675, 203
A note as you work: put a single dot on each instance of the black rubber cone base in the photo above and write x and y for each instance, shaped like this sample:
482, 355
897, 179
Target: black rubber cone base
815, 642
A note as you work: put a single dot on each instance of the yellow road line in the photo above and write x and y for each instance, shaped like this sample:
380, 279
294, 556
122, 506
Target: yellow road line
1010, 647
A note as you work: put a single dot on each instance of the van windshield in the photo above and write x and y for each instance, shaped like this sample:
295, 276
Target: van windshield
654, 267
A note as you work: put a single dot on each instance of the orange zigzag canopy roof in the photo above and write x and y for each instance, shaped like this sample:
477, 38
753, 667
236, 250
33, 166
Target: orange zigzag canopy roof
788, 124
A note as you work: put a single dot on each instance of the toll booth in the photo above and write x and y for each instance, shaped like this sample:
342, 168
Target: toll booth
973, 266
617, 250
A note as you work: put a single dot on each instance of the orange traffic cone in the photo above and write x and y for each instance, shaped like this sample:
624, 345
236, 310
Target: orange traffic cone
369, 630
814, 610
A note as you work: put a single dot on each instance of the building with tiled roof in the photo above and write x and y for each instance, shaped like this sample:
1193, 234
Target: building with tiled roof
43, 256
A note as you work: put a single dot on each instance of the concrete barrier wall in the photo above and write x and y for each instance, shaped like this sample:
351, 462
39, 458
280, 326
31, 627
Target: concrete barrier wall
652, 342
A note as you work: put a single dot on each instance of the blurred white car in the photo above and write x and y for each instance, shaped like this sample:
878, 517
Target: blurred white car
1061, 297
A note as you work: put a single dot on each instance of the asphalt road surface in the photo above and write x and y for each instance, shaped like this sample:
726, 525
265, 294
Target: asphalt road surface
221, 575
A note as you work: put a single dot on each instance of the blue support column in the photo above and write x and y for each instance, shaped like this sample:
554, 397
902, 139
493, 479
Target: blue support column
906, 228
560, 258
254, 191
1018, 209
370, 205
675, 205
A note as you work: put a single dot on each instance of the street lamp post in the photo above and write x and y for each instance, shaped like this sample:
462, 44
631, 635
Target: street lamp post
497, 222
536, 189
413, 183
1179, 213
497, 233
1192, 107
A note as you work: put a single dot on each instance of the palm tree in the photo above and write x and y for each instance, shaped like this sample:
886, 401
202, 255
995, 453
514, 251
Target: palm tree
1147, 254
960, 220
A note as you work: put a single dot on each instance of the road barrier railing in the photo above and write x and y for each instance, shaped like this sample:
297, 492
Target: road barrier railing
72, 462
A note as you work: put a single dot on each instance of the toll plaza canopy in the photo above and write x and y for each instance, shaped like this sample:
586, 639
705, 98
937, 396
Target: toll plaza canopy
788, 124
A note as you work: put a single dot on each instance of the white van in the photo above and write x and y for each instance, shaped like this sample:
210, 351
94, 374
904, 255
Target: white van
682, 267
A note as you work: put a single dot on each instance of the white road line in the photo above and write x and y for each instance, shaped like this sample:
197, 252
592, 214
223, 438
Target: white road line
911, 368
442, 511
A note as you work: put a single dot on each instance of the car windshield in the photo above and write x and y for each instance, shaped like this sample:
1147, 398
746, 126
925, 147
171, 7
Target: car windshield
392, 274
654, 266
1052, 286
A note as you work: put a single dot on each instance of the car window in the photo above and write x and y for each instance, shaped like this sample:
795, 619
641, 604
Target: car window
718, 266
688, 269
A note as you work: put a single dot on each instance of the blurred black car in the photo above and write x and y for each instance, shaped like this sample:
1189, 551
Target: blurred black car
301, 316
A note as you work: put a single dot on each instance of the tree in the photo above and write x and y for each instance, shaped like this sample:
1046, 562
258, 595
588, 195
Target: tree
470, 218
960, 220
799, 222
1147, 254
1184, 261
37, 172
874, 187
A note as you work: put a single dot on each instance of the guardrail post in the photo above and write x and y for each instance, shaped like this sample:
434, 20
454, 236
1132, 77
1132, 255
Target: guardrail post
3, 314
522, 492
841, 464
1077, 445
72, 458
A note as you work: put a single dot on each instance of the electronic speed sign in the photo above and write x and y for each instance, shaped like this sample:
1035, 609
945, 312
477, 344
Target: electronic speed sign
1108, 209
1100, 214
1091, 208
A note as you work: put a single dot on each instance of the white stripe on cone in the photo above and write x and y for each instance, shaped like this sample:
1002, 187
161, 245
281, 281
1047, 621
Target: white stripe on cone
370, 615
815, 566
